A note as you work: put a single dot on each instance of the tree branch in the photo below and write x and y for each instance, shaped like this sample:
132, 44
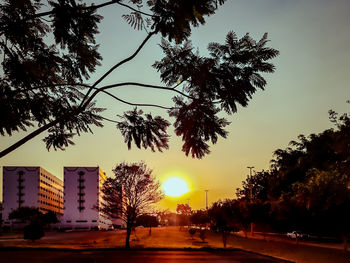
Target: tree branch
88, 100
138, 11
29, 137
144, 86
135, 104
84, 102
91, 7
110, 120
111, 86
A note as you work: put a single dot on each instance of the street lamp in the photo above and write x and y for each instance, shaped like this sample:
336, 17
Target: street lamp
206, 198
251, 197
250, 183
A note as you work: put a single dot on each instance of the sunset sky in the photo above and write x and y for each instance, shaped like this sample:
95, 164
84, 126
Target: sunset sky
311, 77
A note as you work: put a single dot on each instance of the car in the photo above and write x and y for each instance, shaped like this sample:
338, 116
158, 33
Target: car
297, 234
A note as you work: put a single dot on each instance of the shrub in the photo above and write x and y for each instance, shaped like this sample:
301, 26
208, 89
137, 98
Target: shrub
33, 231
192, 231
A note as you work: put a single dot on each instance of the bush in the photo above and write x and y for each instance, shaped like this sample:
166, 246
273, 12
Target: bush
192, 231
33, 231
202, 234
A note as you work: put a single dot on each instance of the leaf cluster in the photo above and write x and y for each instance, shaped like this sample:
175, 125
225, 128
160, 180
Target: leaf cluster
31, 90
229, 76
144, 131
174, 18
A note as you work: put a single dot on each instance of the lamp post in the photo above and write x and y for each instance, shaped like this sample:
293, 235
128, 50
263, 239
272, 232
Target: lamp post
251, 197
206, 199
250, 183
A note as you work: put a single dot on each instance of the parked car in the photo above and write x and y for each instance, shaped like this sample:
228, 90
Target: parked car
297, 234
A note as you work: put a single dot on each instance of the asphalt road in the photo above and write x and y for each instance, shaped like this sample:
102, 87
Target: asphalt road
131, 256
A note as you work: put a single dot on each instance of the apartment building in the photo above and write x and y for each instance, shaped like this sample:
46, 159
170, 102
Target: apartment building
82, 196
31, 186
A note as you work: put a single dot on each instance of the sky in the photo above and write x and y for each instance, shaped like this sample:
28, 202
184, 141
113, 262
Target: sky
311, 78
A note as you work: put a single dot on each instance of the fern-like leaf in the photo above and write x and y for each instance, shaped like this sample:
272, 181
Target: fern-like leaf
135, 20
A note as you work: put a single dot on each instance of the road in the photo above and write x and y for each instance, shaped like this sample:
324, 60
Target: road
131, 256
326, 243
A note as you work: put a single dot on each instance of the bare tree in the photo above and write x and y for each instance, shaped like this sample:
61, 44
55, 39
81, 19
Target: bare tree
129, 194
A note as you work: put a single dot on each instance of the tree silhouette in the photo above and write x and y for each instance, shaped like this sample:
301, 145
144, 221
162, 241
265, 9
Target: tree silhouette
129, 194
184, 212
200, 217
184, 209
36, 219
44, 83
307, 187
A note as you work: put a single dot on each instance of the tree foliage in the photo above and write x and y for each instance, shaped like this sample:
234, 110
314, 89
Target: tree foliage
33, 231
26, 213
49, 53
147, 221
184, 209
33, 214
200, 217
307, 187
36, 221
130, 193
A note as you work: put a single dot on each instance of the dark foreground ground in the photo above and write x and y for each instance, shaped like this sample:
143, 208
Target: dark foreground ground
130, 256
61, 246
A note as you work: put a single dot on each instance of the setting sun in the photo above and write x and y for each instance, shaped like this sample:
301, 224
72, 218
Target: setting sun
175, 187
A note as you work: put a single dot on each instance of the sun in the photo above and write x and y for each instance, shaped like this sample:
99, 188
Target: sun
175, 187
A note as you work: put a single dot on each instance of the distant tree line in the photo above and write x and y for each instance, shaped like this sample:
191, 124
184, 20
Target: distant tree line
307, 188
308, 185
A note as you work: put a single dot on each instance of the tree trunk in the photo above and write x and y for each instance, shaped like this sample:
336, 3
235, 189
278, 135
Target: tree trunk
128, 233
224, 238
345, 243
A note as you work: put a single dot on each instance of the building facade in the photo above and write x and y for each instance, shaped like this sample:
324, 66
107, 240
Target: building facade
82, 197
31, 186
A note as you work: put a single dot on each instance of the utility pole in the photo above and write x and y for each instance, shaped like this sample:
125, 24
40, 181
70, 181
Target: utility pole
251, 196
206, 199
